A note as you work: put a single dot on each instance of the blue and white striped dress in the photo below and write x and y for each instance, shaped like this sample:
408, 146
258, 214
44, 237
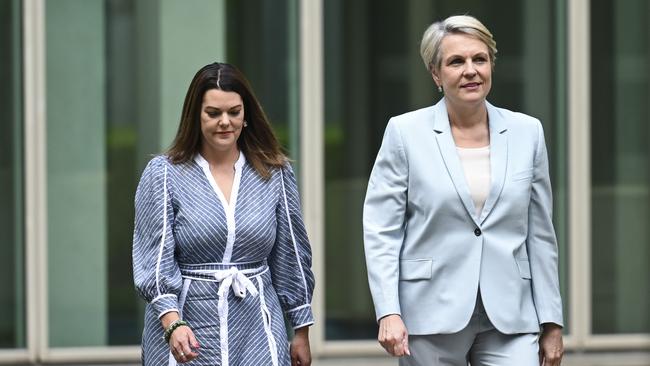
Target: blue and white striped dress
230, 269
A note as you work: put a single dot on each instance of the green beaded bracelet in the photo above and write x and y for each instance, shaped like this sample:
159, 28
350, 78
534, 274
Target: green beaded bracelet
172, 327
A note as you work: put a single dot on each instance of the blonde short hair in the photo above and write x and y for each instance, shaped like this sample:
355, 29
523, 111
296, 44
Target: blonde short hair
457, 24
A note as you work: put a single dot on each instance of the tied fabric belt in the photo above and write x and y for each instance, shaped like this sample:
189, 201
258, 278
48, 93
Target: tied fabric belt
236, 276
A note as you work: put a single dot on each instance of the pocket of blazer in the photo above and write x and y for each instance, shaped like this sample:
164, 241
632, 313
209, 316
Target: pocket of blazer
415, 269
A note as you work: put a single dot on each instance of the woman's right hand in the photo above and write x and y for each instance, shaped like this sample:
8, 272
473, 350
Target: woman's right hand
393, 335
182, 343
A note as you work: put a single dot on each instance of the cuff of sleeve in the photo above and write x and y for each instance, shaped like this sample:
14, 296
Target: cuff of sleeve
552, 320
553, 315
382, 311
300, 316
163, 304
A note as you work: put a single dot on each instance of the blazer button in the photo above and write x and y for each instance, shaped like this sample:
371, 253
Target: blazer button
477, 232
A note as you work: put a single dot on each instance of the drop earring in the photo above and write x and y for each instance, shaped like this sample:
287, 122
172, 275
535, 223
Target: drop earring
439, 89
245, 124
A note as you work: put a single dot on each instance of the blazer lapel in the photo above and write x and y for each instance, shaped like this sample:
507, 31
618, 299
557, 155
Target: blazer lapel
449, 154
498, 158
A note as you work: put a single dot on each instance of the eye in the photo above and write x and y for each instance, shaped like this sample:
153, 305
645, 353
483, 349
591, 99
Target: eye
455, 61
234, 113
213, 114
480, 60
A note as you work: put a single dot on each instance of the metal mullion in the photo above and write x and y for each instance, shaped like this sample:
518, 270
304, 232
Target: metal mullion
35, 176
311, 149
617, 342
579, 170
94, 354
14, 356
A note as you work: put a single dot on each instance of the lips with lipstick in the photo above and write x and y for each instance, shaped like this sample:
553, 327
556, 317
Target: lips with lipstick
472, 85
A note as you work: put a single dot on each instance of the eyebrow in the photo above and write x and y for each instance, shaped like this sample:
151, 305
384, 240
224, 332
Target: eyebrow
481, 53
218, 109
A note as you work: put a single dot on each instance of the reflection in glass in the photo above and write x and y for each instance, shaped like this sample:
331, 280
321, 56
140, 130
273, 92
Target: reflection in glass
620, 166
373, 71
262, 43
12, 274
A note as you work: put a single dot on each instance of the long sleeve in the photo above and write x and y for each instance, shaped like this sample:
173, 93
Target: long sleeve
155, 270
290, 259
383, 221
541, 241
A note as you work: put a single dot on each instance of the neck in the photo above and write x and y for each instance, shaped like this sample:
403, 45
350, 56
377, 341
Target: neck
220, 158
467, 116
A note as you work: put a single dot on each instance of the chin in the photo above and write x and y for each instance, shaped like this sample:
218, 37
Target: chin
222, 145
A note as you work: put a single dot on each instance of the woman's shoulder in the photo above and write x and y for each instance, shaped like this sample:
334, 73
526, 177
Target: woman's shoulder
425, 113
279, 175
162, 166
157, 165
514, 117
162, 162
279, 171
520, 126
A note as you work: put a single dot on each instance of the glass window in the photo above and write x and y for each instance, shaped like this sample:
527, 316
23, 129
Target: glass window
117, 72
373, 71
620, 99
12, 272
263, 43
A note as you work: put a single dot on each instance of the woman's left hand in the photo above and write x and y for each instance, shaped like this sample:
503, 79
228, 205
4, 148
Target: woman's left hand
551, 347
300, 352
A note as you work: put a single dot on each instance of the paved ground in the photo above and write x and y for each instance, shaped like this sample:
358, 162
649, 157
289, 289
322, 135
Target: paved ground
571, 359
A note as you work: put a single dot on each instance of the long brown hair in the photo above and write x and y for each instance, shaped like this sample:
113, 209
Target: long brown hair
257, 141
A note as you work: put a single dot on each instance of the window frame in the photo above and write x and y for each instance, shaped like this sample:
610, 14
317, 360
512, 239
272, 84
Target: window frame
311, 97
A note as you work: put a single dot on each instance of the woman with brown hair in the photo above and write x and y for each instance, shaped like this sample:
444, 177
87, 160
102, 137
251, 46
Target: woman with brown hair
220, 251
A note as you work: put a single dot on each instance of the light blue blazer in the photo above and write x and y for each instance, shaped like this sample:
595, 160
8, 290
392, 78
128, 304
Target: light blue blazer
427, 251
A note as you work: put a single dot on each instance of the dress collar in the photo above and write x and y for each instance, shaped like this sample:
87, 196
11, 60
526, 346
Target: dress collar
199, 159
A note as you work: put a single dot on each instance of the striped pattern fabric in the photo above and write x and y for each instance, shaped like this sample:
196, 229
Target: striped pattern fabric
182, 235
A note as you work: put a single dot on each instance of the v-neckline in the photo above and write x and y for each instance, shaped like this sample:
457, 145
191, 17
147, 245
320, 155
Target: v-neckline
228, 207
234, 190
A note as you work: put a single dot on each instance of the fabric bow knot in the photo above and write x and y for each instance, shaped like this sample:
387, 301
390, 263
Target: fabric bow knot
235, 279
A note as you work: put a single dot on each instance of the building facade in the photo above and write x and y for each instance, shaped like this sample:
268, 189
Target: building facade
91, 89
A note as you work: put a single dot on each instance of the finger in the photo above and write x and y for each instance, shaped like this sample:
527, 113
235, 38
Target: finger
388, 347
186, 350
555, 361
398, 349
186, 344
177, 354
193, 342
181, 357
304, 357
405, 345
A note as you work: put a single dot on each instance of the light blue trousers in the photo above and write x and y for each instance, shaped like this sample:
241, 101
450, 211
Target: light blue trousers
478, 344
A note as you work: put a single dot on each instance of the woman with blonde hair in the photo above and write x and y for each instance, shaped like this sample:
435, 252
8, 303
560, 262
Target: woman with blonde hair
460, 246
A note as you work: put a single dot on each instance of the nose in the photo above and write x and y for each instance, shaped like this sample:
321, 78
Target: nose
224, 121
469, 71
